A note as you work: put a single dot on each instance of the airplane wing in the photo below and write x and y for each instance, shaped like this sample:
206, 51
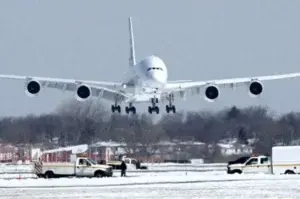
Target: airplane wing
179, 81
98, 83
195, 86
98, 88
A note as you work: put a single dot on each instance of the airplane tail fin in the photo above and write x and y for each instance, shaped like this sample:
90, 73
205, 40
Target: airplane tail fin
132, 61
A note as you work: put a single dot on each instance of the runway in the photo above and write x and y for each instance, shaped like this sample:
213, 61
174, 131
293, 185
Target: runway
165, 186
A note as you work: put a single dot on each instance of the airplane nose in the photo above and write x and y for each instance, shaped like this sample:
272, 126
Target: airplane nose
157, 77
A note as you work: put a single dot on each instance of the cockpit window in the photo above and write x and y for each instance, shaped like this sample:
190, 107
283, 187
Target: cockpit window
154, 68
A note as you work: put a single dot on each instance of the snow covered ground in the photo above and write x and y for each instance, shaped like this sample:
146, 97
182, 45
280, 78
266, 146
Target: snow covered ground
185, 167
157, 185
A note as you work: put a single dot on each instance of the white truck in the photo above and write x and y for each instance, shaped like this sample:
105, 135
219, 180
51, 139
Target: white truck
81, 167
284, 160
131, 163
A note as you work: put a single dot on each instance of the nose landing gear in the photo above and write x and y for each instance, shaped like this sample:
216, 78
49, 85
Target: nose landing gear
152, 108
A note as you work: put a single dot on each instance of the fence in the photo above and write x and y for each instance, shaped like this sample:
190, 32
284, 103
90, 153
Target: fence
17, 171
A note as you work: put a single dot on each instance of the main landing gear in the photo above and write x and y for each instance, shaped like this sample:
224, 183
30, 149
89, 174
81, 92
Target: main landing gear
170, 107
130, 108
115, 108
152, 108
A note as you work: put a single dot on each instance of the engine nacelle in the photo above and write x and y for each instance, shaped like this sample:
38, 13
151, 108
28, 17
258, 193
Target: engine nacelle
32, 88
255, 88
211, 93
83, 92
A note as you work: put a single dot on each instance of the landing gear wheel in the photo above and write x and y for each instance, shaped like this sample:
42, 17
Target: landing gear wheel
150, 109
133, 110
112, 108
157, 110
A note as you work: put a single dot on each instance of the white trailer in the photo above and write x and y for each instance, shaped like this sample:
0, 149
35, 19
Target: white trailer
81, 167
284, 160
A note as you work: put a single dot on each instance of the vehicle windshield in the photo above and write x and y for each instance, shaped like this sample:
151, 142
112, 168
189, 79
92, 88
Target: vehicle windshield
91, 161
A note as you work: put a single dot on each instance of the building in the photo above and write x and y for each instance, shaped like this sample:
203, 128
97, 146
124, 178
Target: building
233, 147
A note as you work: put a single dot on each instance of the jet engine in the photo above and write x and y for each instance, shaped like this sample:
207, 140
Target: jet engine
83, 92
255, 88
211, 93
32, 88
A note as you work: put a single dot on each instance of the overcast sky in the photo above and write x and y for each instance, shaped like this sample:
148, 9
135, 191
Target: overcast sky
198, 40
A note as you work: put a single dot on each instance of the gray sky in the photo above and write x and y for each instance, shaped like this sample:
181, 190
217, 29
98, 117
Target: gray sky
198, 40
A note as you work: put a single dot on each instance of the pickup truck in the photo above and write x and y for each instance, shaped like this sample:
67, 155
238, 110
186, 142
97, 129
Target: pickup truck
259, 164
284, 160
131, 163
82, 167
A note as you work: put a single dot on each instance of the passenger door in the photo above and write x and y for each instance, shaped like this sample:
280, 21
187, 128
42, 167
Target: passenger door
82, 167
265, 165
251, 166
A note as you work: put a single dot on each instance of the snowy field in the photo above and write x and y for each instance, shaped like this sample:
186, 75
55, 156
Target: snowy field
171, 185
185, 167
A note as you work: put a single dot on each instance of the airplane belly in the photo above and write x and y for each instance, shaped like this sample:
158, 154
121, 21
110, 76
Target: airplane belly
152, 86
144, 97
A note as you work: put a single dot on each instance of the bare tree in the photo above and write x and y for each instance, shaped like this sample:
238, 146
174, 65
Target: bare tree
77, 122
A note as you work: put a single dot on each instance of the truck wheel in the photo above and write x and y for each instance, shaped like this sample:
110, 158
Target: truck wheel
99, 174
289, 172
49, 174
237, 171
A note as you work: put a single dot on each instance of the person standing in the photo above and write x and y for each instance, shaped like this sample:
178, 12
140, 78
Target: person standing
123, 168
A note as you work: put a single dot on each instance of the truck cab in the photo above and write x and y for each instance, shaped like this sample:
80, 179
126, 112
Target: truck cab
255, 164
87, 167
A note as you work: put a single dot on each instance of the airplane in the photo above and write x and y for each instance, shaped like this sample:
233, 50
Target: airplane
146, 81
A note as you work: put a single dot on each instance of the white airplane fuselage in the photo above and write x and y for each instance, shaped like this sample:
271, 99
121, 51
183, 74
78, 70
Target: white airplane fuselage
149, 76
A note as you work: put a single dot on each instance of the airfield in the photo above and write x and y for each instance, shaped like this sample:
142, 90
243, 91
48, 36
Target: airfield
153, 184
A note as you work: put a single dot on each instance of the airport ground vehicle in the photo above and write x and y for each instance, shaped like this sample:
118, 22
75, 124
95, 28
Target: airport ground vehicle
284, 160
131, 163
81, 167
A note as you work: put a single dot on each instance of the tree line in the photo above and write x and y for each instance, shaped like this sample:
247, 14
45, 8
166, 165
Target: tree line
87, 122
